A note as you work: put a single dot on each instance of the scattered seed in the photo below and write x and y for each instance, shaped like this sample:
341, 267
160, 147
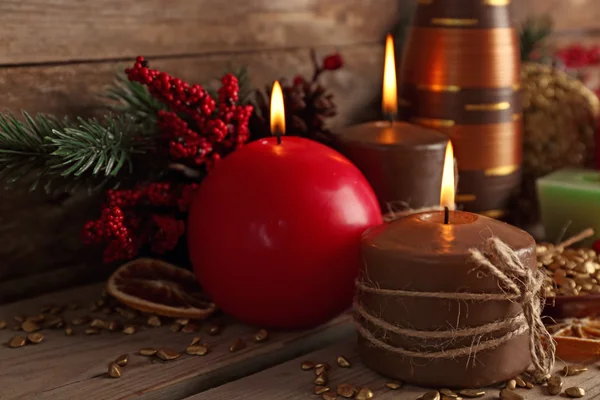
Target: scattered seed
321, 379
512, 384
30, 326
328, 396
167, 354
129, 330
325, 365
148, 351
472, 393
37, 318
448, 393
122, 360
520, 382
175, 328
575, 392
190, 328
154, 321
306, 365
237, 345
433, 395
35, 338
571, 370
125, 313
19, 318
346, 390
92, 331
114, 326
79, 321
393, 385
17, 341
555, 385
2, 324
97, 323
321, 389
261, 336
528, 385
69, 331
364, 394
507, 394
114, 371
54, 323
195, 341
215, 329
197, 350
182, 321
342, 362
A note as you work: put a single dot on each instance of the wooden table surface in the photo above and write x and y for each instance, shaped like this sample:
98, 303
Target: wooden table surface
74, 367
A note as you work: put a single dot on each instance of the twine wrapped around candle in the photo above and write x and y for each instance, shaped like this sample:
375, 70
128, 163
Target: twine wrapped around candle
519, 284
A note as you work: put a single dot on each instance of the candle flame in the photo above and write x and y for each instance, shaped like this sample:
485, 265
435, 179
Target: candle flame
277, 110
447, 196
390, 90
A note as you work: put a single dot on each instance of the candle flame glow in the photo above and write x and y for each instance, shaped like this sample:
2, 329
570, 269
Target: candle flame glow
447, 195
277, 110
390, 91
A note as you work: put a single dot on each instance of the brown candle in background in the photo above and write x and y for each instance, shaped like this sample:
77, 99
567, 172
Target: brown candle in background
403, 162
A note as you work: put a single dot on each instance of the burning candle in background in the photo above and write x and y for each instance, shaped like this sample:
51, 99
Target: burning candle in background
403, 162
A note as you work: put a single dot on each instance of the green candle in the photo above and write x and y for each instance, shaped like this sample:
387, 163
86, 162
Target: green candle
570, 198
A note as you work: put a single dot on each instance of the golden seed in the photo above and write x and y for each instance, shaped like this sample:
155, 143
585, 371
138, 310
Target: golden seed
69, 331
321, 389
122, 360
472, 393
346, 390
17, 341
328, 396
92, 331
555, 385
154, 321
148, 351
30, 326
364, 394
182, 321
571, 370
528, 385
215, 329
575, 392
19, 318
37, 318
167, 354
129, 330
306, 365
325, 366
195, 341
2, 324
125, 313
79, 321
35, 338
507, 394
261, 336
393, 385
433, 395
448, 393
97, 323
114, 326
343, 363
56, 310
237, 345
190, 328
322, 379
175, 328
520, 382
450, 398
114, 371
197, 350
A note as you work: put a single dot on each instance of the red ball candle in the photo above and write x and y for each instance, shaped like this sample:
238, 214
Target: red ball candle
274, 232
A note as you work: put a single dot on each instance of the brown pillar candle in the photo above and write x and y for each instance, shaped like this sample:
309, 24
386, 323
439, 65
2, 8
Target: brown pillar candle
403, 162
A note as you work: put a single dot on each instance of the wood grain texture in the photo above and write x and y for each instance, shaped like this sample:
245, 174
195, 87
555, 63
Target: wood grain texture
75, 367
69, 30
288, 381
40, 233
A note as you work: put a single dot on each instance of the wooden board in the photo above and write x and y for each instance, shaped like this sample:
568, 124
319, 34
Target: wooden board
72, 30
288, 381
75, 367
40, 233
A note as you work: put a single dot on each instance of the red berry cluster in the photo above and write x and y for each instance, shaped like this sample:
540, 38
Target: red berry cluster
133, 218
577, 56
196, 130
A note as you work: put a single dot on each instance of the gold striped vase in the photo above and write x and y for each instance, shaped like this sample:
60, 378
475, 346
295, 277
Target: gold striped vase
460, 75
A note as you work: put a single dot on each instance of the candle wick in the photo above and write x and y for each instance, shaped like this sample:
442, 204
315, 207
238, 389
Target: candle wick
446, 215
279, 138
391, 118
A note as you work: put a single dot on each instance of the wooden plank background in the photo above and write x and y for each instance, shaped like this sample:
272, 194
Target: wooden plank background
56, 55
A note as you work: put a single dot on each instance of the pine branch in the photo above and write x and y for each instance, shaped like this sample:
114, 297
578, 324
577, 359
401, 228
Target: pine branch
533, 32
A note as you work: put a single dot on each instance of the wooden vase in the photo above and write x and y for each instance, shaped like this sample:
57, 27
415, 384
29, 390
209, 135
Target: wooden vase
460, 75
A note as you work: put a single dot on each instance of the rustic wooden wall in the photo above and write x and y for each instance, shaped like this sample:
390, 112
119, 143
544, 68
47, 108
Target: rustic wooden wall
56, 55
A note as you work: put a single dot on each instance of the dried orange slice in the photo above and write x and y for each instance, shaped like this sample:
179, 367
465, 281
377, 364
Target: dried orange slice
156, 287
577, 339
